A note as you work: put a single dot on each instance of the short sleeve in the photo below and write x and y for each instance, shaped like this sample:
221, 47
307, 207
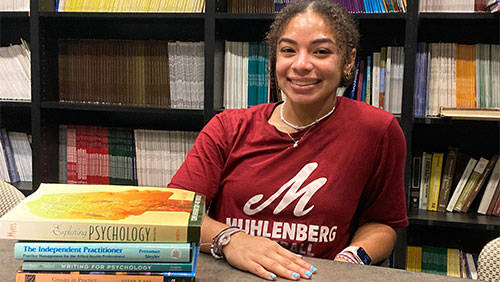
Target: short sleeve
384, 199
201, 171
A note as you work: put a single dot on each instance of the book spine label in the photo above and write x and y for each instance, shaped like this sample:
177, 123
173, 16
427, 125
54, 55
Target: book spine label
449, 170
89, 232
435, 183
106, 266
471, 183
489, 191
486, 173
51, 277
160, 252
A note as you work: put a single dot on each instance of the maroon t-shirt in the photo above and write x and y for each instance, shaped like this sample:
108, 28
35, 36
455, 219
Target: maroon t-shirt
346, 171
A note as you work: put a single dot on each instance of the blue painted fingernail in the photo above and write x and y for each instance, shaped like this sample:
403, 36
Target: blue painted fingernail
313, 269
308, 273
295, 275
272, 275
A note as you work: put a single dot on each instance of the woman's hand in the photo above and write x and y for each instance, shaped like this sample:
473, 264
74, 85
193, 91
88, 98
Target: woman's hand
265, 258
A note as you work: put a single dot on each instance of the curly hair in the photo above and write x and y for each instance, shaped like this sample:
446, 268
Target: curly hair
343, 25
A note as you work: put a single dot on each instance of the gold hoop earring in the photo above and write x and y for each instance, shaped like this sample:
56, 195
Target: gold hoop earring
347, 76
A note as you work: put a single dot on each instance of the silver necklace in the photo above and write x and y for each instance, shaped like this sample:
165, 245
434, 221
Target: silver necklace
296, 142
301, 127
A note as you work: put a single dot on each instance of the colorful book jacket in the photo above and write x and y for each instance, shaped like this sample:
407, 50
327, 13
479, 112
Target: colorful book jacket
106, 213
110, 276
88, 251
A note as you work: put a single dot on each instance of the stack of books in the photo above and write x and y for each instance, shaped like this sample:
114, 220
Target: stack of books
72, 232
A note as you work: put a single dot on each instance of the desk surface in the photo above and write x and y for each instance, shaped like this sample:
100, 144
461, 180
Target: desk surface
210, 269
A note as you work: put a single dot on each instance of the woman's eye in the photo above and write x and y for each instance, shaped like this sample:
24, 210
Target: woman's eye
286, 50
323, 52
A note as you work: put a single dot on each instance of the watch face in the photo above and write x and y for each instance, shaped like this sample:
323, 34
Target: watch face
364, 256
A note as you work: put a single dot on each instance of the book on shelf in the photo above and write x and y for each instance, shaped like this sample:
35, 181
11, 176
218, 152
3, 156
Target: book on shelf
382, 79
496, 208
471, 266
471, 113
461, 184
489, 191
435, 181
453, 262
9, 156
434, 260
109, 251
425, 178
375, 79
66, 212
495, 199
415, 181
447, 179
480, 183
471, 183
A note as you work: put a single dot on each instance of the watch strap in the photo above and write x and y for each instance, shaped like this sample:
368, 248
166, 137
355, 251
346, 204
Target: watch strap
359, 254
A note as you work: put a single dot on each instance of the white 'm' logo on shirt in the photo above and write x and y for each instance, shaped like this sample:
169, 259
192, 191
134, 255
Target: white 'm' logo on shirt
293, 193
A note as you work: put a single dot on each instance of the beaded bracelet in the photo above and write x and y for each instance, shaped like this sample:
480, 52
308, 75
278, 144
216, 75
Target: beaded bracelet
222, 239
348, 257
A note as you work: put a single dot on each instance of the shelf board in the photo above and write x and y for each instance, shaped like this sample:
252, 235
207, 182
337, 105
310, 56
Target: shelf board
457, 220
447, 121
358, 16
459, 16
129, 15
15, 104
380, 16
117, 108
244, 16
122, 116
14, 15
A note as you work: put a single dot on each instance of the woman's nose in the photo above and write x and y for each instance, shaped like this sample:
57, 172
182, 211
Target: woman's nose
303, 62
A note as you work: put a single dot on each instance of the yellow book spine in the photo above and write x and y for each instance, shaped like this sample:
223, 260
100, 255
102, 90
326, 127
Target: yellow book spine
418, 259
453, 263
409, 258
435, 183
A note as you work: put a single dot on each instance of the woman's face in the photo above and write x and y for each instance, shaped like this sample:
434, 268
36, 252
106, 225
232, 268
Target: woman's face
308, 61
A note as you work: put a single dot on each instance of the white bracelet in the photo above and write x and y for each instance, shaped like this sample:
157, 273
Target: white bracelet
222, 239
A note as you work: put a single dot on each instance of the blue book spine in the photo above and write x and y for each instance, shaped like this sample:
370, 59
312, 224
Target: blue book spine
106, 266
261, 73
252, 73
9, 156
367, 92
76, 251
352, 95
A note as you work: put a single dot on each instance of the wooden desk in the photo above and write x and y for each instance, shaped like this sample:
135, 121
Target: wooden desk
210, 270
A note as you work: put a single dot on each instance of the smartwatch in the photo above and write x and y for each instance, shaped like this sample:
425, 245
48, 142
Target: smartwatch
360, 254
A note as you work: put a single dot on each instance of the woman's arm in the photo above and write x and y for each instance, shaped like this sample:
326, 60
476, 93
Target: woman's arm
258, 255
377, 239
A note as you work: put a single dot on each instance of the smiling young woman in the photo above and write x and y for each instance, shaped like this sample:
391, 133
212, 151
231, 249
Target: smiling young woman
316, 175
